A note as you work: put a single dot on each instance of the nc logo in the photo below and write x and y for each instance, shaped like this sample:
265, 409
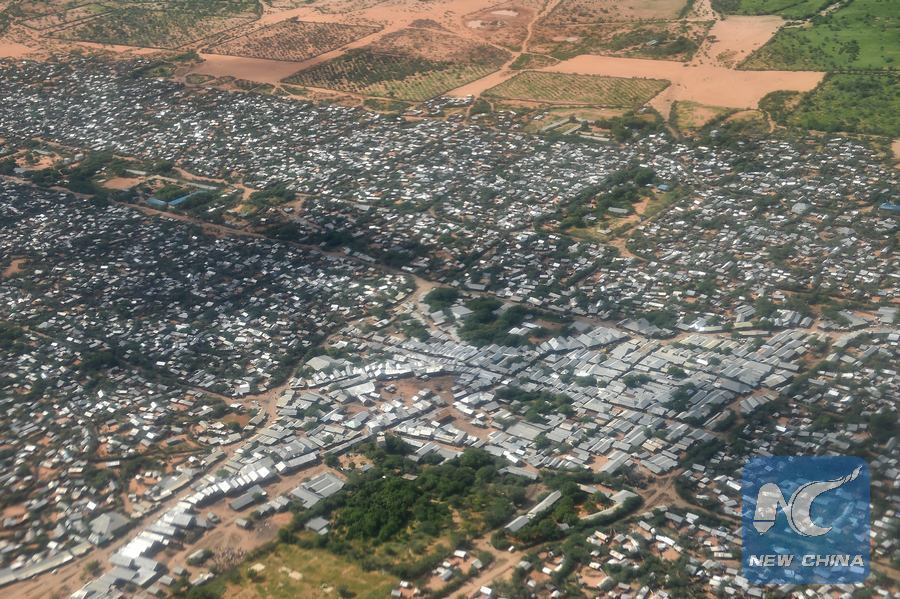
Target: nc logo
769, 499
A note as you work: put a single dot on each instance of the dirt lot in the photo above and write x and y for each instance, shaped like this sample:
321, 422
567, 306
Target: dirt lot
504, 24
705, 84
732, 40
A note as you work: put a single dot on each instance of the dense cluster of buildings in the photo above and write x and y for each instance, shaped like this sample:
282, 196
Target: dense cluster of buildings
126, 338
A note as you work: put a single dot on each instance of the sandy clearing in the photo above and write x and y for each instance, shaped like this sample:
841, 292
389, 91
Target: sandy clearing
252, 69
15, 266
895, 146
706, 84
479, 86
730, 41
11, 49
122, 183
117, 48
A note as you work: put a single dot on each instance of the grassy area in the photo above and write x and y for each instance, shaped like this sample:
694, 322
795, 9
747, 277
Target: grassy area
861, 103
580, 89
864, 34
396, 76
293, 571
789, 9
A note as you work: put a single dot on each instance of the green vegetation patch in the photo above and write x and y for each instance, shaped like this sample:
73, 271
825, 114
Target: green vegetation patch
489, 323
536, 404
620, 190
405, 517
790, 9
558, 88
859, 103
404, 77
441, 298
863, 34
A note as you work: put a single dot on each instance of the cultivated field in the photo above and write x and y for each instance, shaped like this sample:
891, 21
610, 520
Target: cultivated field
412, 64
150, 28
562, 88
863, 34
293, 40
665, 40
594, 11
390, 76
62, 18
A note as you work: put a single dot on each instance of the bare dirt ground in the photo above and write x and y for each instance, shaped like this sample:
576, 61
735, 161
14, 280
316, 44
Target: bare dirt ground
732, 40
706, 84
14, 268
502, 566
252, 69
11, 49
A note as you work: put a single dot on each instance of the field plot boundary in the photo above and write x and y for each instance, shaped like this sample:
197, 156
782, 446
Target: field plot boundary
28, 23
476, 72
654, 88
392, 69
369, 30
240, 21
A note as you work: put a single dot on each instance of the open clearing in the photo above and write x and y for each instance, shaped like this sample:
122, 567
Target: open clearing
558, 88
293, 40
253, 69
291, 571
734, 39
690, 117
705, 84
503, 24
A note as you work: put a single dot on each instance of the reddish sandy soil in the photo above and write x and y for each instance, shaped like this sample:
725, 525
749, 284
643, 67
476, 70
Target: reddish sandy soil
122, 183
14, 267
253, 69
731, 40
10, 49
706, 84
